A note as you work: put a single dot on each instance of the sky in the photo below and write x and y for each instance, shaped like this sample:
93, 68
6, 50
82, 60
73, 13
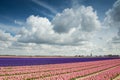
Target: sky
59, 27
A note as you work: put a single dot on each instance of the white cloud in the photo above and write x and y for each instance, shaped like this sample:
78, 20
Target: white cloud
71, 27
10, 29
5, 40
83, 18
112, 33
5, 36
38, 30
74, 31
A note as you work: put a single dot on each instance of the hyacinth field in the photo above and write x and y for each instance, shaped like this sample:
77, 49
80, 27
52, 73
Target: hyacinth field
93, 70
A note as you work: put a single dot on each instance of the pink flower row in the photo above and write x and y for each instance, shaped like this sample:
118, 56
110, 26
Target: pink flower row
72, 75
105, 75
64, 71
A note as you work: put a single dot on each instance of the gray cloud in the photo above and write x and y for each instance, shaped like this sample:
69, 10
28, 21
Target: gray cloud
5, 36
113, 15
113, 20
115, 12
6, 40
9, 29
119, 32
116, 39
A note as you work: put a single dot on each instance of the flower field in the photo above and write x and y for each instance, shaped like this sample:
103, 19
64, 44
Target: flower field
94, 70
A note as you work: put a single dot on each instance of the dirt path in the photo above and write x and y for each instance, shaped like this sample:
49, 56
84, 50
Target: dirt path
117, 78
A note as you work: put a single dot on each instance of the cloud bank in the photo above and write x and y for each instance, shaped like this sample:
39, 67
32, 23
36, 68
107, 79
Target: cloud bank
74, 31
71, 27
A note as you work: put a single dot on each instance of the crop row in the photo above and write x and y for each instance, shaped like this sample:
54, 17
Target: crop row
65, 71
86, 72
105, 75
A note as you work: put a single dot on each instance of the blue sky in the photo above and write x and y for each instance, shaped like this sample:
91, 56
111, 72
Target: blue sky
59, 27
21, 9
